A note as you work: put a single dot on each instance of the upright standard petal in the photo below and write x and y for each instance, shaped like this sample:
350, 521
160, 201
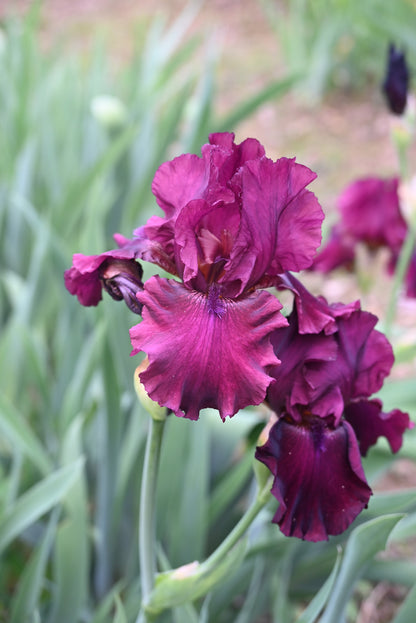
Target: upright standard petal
205, 350
280, 220
318, 477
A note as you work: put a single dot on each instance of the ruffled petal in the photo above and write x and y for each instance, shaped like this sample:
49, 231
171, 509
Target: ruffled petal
178, 181
280, 221
205, 351
296, 352
314, 313
364, 359
369, 423
318, 478
190, 177
367, 351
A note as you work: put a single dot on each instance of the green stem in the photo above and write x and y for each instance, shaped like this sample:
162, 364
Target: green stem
401, 268
240, 528
147, 550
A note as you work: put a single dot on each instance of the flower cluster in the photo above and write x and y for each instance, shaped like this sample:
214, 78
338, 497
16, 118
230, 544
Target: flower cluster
235, 225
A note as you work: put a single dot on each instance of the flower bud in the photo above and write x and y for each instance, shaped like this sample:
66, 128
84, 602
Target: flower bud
407, 194
157, 412
109, 111
396, 82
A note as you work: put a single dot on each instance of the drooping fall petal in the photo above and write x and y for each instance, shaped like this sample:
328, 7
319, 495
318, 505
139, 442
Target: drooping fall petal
205, 351
318, 477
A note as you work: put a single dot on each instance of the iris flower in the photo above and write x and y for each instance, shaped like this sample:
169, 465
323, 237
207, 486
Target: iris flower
331, 365
234, 220
370, 213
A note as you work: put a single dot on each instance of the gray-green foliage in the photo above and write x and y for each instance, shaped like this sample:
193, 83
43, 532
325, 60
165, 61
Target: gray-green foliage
71, 433
340, 43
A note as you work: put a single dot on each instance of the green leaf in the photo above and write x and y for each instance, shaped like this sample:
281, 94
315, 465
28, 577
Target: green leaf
120, 614
37, 501
392, 502
364, 542
312, 611
31, 581
229, 486
250, 105
396, 571
15, 428
406, 614
191, 581
71, 554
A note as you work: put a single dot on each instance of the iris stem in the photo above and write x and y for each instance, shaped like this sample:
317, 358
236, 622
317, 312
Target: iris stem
263, 496
401, 268
147, 534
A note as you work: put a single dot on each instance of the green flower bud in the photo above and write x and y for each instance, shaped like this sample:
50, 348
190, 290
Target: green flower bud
157, 412
109, 111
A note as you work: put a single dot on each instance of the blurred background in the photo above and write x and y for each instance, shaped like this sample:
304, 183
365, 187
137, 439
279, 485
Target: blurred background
94, 96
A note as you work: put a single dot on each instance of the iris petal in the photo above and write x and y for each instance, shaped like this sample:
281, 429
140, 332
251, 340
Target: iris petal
318, 478
370, 423
205, 351
280, 221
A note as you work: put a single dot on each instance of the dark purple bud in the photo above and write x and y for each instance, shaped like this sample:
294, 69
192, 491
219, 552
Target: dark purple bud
396, 82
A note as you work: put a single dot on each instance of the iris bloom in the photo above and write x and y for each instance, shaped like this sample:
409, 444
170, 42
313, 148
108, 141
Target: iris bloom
370, 214
233, 221
333, 359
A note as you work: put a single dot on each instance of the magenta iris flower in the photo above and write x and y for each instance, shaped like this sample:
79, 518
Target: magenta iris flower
370, 214
115, 271
330, 367
234, 220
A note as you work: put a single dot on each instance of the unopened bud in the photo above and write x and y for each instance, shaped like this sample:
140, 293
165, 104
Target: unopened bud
407, 194
109, 111
157, 412
396, 82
